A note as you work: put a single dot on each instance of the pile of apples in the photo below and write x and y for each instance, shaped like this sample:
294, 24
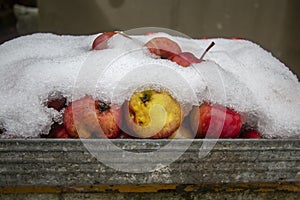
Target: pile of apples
149, 113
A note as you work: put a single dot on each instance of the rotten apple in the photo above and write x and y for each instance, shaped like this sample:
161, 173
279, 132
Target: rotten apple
226, 120
89, 118
152, 114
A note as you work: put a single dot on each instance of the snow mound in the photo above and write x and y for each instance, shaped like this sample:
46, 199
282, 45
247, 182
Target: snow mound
237, 73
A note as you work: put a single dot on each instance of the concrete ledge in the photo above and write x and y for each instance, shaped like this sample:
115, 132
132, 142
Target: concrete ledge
56, 162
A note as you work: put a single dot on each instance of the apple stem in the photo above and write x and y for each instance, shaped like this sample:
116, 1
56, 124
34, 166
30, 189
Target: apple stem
207, 49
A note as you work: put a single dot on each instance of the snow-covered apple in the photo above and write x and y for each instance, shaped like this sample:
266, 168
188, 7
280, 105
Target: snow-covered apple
163, 47
56, 101
185, 59
101, 41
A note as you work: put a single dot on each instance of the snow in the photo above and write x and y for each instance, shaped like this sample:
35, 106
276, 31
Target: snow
237, 73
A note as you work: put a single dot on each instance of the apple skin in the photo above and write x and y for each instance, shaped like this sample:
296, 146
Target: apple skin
101, 41
163, 47
185, 59
251, 134
152, 114
58, 131
201, 117
57, 103
84, 117
109, 119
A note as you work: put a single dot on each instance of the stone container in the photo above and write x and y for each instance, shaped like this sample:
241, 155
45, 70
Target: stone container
210, 169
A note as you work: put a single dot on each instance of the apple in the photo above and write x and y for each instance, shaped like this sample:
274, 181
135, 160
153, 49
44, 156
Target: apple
152, 114
225, 119
163, 47
56, 101
185, 59
123, 135
84, 117
58, 131
101, 41
251, 134
109, 119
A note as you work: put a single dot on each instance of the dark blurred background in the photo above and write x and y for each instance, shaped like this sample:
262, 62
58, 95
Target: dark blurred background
275, 25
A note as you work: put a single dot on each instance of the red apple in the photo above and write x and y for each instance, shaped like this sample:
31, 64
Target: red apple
124, 135
101, 41
225, 119
56, 101
185, 59
109, 119
251, 134
58, 131
163, 47
84, 117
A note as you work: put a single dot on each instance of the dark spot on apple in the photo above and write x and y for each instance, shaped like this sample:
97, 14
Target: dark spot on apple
145, 98
102, 106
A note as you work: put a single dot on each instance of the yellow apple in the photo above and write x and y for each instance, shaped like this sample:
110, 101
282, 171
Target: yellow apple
152, 114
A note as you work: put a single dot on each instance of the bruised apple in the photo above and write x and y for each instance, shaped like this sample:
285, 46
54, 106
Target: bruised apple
220, 121
152, 114
89, 118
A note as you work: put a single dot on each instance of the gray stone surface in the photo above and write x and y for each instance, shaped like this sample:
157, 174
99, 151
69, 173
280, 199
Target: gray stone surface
47, 162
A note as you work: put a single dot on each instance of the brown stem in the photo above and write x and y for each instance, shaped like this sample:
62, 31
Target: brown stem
206, 50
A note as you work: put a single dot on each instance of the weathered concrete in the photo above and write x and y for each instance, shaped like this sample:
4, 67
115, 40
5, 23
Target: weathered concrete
43, 162
233, 169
